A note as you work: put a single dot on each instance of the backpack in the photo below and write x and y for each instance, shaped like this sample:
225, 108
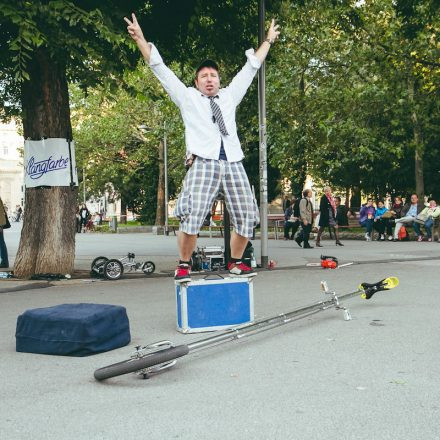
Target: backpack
403, 234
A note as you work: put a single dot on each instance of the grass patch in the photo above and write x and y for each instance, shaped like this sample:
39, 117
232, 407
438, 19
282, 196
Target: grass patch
131, 223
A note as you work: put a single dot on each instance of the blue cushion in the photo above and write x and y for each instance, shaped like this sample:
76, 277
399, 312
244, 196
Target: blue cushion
72, 329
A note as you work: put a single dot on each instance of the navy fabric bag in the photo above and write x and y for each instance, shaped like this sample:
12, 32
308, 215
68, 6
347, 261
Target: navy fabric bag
72, 329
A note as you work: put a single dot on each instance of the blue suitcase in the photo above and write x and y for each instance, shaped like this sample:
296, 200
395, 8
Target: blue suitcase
214, 304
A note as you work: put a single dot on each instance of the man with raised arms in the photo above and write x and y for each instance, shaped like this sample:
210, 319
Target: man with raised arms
213, 149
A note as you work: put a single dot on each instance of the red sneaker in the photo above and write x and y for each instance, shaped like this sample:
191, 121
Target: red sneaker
182, 274
239, 269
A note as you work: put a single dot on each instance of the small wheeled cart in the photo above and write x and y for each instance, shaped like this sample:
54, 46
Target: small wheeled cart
113, 269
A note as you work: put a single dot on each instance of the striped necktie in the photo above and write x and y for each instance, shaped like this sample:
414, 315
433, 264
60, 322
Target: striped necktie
217, 115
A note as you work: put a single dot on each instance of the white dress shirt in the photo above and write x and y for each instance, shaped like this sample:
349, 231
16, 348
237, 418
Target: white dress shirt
202, 135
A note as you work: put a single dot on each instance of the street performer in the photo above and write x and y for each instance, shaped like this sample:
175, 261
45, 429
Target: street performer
213, 149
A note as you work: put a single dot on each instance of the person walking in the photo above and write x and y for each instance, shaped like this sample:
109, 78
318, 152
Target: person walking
84, 215
291, 220
327, 216
18, 212
286, 202
213, 150
306, 215
4, 224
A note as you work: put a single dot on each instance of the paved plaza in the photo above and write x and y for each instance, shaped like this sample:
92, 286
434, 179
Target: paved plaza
375, 377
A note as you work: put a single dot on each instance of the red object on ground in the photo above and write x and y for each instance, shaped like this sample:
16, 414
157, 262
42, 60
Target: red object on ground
402, 233
329, 262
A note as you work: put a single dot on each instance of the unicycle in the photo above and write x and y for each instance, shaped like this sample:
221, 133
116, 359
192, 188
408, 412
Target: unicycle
162, 355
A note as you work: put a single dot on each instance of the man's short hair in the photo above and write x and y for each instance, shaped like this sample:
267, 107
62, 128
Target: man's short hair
207, 63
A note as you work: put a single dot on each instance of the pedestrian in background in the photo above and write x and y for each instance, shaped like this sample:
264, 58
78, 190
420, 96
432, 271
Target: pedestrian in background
327, 216
306, 214
4, 224
291, 220
18, 212
286, 202
84, 215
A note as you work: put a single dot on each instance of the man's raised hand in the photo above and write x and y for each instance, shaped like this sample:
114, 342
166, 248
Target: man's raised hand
272, 35
273, 32
135, 32
134, 29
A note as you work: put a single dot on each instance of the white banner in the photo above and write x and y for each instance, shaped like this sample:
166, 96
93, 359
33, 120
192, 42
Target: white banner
49, 163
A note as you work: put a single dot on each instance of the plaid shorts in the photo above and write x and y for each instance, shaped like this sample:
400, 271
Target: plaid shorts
202, 183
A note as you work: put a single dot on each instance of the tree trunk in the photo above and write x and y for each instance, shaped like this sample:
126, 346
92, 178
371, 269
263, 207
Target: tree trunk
123, 217
160, 209
347, 196
355, 200
47, 243
418, 141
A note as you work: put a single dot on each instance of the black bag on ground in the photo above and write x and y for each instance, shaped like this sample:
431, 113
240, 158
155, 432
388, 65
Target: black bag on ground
72, 329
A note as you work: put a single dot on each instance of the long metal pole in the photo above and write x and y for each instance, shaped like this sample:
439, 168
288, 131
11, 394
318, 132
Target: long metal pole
269, 323
165, 159
263, 147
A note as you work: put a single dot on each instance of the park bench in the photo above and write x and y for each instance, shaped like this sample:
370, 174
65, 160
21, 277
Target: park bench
276, 224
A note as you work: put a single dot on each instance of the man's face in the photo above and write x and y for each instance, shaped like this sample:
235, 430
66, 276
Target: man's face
414, 199
208, 81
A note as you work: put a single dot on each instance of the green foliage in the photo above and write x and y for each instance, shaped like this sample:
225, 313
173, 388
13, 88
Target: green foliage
80, 35
338, 93
338, 100
118, 155
102, 228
